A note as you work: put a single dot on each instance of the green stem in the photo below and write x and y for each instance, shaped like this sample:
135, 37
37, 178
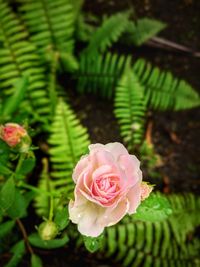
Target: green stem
20, 161
48, 184
51, 209
37, 190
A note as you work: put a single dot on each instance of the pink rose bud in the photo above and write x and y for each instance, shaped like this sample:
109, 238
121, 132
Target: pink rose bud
108, 186
146, 190
12, 133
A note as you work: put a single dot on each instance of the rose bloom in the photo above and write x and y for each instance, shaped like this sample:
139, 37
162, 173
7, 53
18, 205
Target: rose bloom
108, 186
11, 133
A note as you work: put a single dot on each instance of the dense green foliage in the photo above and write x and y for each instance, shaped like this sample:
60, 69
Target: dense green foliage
41, 42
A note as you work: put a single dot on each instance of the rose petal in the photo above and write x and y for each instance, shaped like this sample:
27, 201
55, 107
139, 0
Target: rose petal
80, 167
131, 166
117, 149
114, 215
86, 216
134, 197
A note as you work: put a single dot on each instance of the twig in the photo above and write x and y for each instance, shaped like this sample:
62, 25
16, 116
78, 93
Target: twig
25, 236
169, 45
148, 136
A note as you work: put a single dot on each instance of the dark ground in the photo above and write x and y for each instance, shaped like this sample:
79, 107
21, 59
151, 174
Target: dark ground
176, 135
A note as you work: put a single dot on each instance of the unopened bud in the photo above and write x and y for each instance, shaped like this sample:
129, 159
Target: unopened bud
145, 190
14, 134
48, 230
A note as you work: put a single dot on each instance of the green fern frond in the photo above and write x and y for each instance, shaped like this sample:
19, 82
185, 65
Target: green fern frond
99, 73
42, 201
142, 30
18, 58
162, 91
108, 33
130, 108
136, 243
51, 23
68, 142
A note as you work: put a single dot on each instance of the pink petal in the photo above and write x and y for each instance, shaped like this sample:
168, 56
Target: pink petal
131, 166
117, 149
114, 215
134, 197
80, 167
86, 217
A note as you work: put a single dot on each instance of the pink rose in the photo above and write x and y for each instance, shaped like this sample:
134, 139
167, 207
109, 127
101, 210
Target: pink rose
12, 133
108, 186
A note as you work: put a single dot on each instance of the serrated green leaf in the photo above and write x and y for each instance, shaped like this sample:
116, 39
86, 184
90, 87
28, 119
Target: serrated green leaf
36, 241
7, 195
5, 228
4, 153
61, 218
18, 207
27, 166
154, 208
18, 251
36, 261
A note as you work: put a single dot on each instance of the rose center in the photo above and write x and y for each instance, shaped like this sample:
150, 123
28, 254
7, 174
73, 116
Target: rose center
107, 184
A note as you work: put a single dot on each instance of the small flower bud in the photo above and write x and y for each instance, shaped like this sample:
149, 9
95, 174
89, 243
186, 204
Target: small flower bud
48, 230
145, 190
13, 134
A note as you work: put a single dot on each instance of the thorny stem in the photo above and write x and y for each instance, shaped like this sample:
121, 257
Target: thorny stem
25, 236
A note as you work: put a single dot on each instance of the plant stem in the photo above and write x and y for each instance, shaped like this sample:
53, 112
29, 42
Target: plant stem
20, 161
25, 236
51, 209
37, 190
48, 184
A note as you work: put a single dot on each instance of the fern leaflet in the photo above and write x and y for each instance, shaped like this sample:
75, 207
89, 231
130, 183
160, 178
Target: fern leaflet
99, 73
130, 108
142, 30
18, 59
108, 33
68, 142
162, 91
51, 23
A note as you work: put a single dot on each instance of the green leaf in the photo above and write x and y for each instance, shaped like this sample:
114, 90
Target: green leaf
144, 29
36, 241
154, 208
35, 261
5, 228
7, 195
27, 165
4, 153
70, 63
4, 170
61, 218
92, 244
14, 100
19, 206
18, 251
